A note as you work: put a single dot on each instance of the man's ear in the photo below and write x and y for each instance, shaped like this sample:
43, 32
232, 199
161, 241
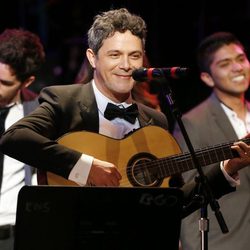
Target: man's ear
207, 79
28, 81
91, 57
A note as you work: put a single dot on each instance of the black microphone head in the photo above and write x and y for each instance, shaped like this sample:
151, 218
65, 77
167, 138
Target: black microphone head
140, 75
148, 74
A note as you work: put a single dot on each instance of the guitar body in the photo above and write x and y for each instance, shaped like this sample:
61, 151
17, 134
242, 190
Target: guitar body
132, 155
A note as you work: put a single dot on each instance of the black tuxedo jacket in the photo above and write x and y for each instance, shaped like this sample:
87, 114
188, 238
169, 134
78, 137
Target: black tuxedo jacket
65, 109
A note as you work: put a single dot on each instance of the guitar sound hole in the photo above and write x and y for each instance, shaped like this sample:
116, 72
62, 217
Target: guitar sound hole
141, 172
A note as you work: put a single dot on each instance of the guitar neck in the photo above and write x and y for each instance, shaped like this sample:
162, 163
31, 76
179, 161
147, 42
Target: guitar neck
183, 162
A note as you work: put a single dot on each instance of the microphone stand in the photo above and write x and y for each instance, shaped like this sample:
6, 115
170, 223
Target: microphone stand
207, 195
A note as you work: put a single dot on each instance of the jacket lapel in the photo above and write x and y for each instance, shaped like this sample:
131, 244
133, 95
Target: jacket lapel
144, 119
220, 117
88, 109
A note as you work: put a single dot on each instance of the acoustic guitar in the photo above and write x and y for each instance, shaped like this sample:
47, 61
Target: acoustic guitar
144, 158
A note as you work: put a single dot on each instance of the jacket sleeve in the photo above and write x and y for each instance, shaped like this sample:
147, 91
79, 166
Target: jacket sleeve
32, 139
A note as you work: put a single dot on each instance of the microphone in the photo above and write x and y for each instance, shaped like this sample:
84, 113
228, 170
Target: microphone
148, 74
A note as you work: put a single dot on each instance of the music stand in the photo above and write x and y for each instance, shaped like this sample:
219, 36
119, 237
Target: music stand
66, 218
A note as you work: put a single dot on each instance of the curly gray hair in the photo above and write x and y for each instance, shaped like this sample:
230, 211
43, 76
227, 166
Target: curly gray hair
107, 23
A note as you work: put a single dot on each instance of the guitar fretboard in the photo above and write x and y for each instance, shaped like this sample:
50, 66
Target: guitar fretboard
183, 162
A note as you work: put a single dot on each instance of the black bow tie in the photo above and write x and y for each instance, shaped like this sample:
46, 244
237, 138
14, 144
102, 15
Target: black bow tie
129, 114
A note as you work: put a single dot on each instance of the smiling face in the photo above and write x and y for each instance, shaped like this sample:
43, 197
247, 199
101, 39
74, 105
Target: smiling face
118, 56
229, 71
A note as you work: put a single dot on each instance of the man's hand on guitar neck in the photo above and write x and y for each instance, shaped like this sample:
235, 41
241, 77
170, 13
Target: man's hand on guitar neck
233, 165
103, 173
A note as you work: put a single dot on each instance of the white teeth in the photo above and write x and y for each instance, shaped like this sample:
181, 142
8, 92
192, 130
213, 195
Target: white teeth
238, 78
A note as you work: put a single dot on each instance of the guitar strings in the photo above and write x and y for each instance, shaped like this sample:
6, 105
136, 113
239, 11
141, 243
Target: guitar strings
178, 163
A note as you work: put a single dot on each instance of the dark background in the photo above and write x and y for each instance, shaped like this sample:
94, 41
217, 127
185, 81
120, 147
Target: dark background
174, 30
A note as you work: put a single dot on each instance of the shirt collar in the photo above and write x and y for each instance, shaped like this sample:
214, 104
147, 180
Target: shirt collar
232, 113
102, 100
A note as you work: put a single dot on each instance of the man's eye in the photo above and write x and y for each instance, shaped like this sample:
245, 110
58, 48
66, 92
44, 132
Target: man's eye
136, 56
114, 55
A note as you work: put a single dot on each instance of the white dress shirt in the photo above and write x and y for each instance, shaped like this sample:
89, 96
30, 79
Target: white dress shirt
116, 129
13, 175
